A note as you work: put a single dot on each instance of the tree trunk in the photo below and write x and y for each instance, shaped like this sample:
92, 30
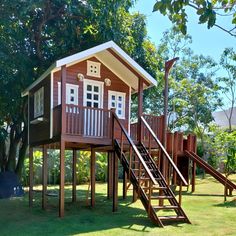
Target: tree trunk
3, 157
22, 153
11, 162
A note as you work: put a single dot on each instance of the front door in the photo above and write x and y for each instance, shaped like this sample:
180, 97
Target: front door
93, 102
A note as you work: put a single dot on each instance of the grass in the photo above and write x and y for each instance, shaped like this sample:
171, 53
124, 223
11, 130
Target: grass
207, 211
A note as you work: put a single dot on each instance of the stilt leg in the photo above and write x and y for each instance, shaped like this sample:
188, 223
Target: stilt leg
109, 175
44, 177
92, 177
30, 177
62, 179
124, 184
74, 175
115, 182
193, 176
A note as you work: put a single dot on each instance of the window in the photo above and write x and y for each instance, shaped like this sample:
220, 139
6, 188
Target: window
38, 102
71, 94
93, 69
117, 101
93, 91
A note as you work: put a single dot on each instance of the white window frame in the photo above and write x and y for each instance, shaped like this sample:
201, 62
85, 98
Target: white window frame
68, 87
116, 94
39, 102
98, 69
97, 83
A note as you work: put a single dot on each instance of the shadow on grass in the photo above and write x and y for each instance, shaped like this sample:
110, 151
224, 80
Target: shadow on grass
227, 204
200, 194
79, 218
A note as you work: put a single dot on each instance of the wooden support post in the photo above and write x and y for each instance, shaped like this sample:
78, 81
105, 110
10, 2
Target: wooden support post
175, 153
109, 175
140, 108
62, 179
92, 176
62, 143
124, 184
193, 176
135, 195
180, 193
115, 182
31, 164
74, 175
194, 149
44, 177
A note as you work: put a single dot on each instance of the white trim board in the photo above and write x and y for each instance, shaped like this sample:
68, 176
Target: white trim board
123, 95
68, 85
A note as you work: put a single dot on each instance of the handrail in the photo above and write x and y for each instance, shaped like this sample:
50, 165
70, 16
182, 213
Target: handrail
164, 150
134, 148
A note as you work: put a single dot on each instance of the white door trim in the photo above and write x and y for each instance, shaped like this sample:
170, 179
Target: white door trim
93, 82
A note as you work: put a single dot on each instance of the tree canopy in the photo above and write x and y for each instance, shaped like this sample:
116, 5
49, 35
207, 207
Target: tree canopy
33, 34
208, 12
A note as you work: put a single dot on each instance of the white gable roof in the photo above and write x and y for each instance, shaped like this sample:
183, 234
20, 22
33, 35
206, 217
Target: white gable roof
108, 59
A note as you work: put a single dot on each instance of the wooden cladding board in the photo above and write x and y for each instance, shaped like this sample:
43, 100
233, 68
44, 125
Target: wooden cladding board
40, 131
116, 84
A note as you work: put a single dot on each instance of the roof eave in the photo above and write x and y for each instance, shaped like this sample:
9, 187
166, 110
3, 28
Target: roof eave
43, 76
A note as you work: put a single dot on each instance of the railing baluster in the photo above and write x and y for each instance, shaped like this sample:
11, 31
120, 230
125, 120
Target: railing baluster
149, 198
139, 179
180, 193
149, 143
130, 159
137, 153
164, 152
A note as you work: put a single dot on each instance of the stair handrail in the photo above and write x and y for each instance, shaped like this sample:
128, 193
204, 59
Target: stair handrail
115, 117
163, 150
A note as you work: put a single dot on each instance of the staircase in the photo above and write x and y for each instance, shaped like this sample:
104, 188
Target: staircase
146, 178
151, 195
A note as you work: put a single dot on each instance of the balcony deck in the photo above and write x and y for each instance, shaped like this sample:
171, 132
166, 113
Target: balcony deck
90, 125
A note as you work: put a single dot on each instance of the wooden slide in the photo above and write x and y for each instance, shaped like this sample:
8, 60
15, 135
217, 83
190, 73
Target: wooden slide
210, 170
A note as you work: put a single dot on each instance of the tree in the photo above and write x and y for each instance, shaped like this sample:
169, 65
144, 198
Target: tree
208, 12
222, 148
193, 89
228, 83
35, 33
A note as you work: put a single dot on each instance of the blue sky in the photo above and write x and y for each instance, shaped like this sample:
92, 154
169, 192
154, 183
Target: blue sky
207, 42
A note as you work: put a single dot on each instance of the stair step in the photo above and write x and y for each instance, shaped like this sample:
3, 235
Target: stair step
166, 218
161, 197
148, 162
141, 169
156, 187
143, 178
158, 179
164, 207
137, 169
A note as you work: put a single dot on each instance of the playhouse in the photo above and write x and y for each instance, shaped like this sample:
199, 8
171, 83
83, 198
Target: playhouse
82, 102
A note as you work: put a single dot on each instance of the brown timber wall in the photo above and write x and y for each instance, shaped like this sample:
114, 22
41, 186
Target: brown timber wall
116, 84
41, 131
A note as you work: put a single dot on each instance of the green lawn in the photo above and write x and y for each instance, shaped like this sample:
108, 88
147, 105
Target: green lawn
205, 208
